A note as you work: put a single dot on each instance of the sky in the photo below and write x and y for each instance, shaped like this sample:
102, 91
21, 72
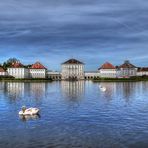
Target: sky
92, 31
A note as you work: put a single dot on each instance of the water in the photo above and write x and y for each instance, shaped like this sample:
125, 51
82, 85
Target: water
74, 115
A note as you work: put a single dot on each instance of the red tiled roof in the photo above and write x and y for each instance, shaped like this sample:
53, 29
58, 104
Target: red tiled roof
140, 69
72, 61
127, 64
107, 65
17, 65
2, 69
38, 65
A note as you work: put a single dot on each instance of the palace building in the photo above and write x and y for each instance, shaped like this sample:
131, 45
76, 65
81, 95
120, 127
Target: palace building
127, 69
72, 70
18, 70
37, 70
107, 70
142, 71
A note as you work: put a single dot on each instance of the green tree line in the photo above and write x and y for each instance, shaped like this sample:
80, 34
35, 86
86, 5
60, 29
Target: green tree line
9, 62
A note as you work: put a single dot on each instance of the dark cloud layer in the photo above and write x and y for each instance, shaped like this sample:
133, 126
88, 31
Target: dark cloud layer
93, 31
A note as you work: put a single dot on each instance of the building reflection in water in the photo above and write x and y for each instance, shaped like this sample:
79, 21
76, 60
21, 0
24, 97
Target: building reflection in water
127, 90
2, 87
72, 90
144, 86
15, 90
38, 90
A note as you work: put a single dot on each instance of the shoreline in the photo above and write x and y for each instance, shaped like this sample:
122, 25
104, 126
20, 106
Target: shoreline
119, 80
132, 79
135, 79
26, 80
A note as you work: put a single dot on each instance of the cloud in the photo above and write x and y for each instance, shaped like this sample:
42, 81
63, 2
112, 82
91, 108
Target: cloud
93, 31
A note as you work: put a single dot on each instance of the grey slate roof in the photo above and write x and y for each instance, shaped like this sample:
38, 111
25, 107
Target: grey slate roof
73, 61
127, 64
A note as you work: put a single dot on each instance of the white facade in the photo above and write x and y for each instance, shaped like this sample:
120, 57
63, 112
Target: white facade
73, 69
107, 70
108, 73
127, 72
142, 73
37, 73
3, 73
18, 72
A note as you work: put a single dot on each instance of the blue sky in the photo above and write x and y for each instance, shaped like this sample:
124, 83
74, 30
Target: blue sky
93, 31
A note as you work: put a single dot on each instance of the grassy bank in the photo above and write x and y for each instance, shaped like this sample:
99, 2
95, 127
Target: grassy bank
131, 79
25, 80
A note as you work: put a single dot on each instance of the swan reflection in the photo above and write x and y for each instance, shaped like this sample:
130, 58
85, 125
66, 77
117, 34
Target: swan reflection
108, 95
29, 117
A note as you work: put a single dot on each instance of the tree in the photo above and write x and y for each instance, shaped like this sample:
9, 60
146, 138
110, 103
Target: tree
9, 62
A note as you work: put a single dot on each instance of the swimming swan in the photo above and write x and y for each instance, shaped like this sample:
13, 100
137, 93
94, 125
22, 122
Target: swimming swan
29, 111
102, 88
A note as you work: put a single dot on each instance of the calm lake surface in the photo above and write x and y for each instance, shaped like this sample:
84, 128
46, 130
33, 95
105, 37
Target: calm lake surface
74, 115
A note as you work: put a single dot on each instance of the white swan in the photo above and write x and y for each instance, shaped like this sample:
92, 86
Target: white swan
102, 88
29, 111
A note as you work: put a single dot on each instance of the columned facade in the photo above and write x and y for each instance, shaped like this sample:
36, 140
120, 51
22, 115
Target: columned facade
54, 75
91, 75
72, 70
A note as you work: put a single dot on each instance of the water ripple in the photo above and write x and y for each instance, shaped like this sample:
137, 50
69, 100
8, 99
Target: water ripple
75, 116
